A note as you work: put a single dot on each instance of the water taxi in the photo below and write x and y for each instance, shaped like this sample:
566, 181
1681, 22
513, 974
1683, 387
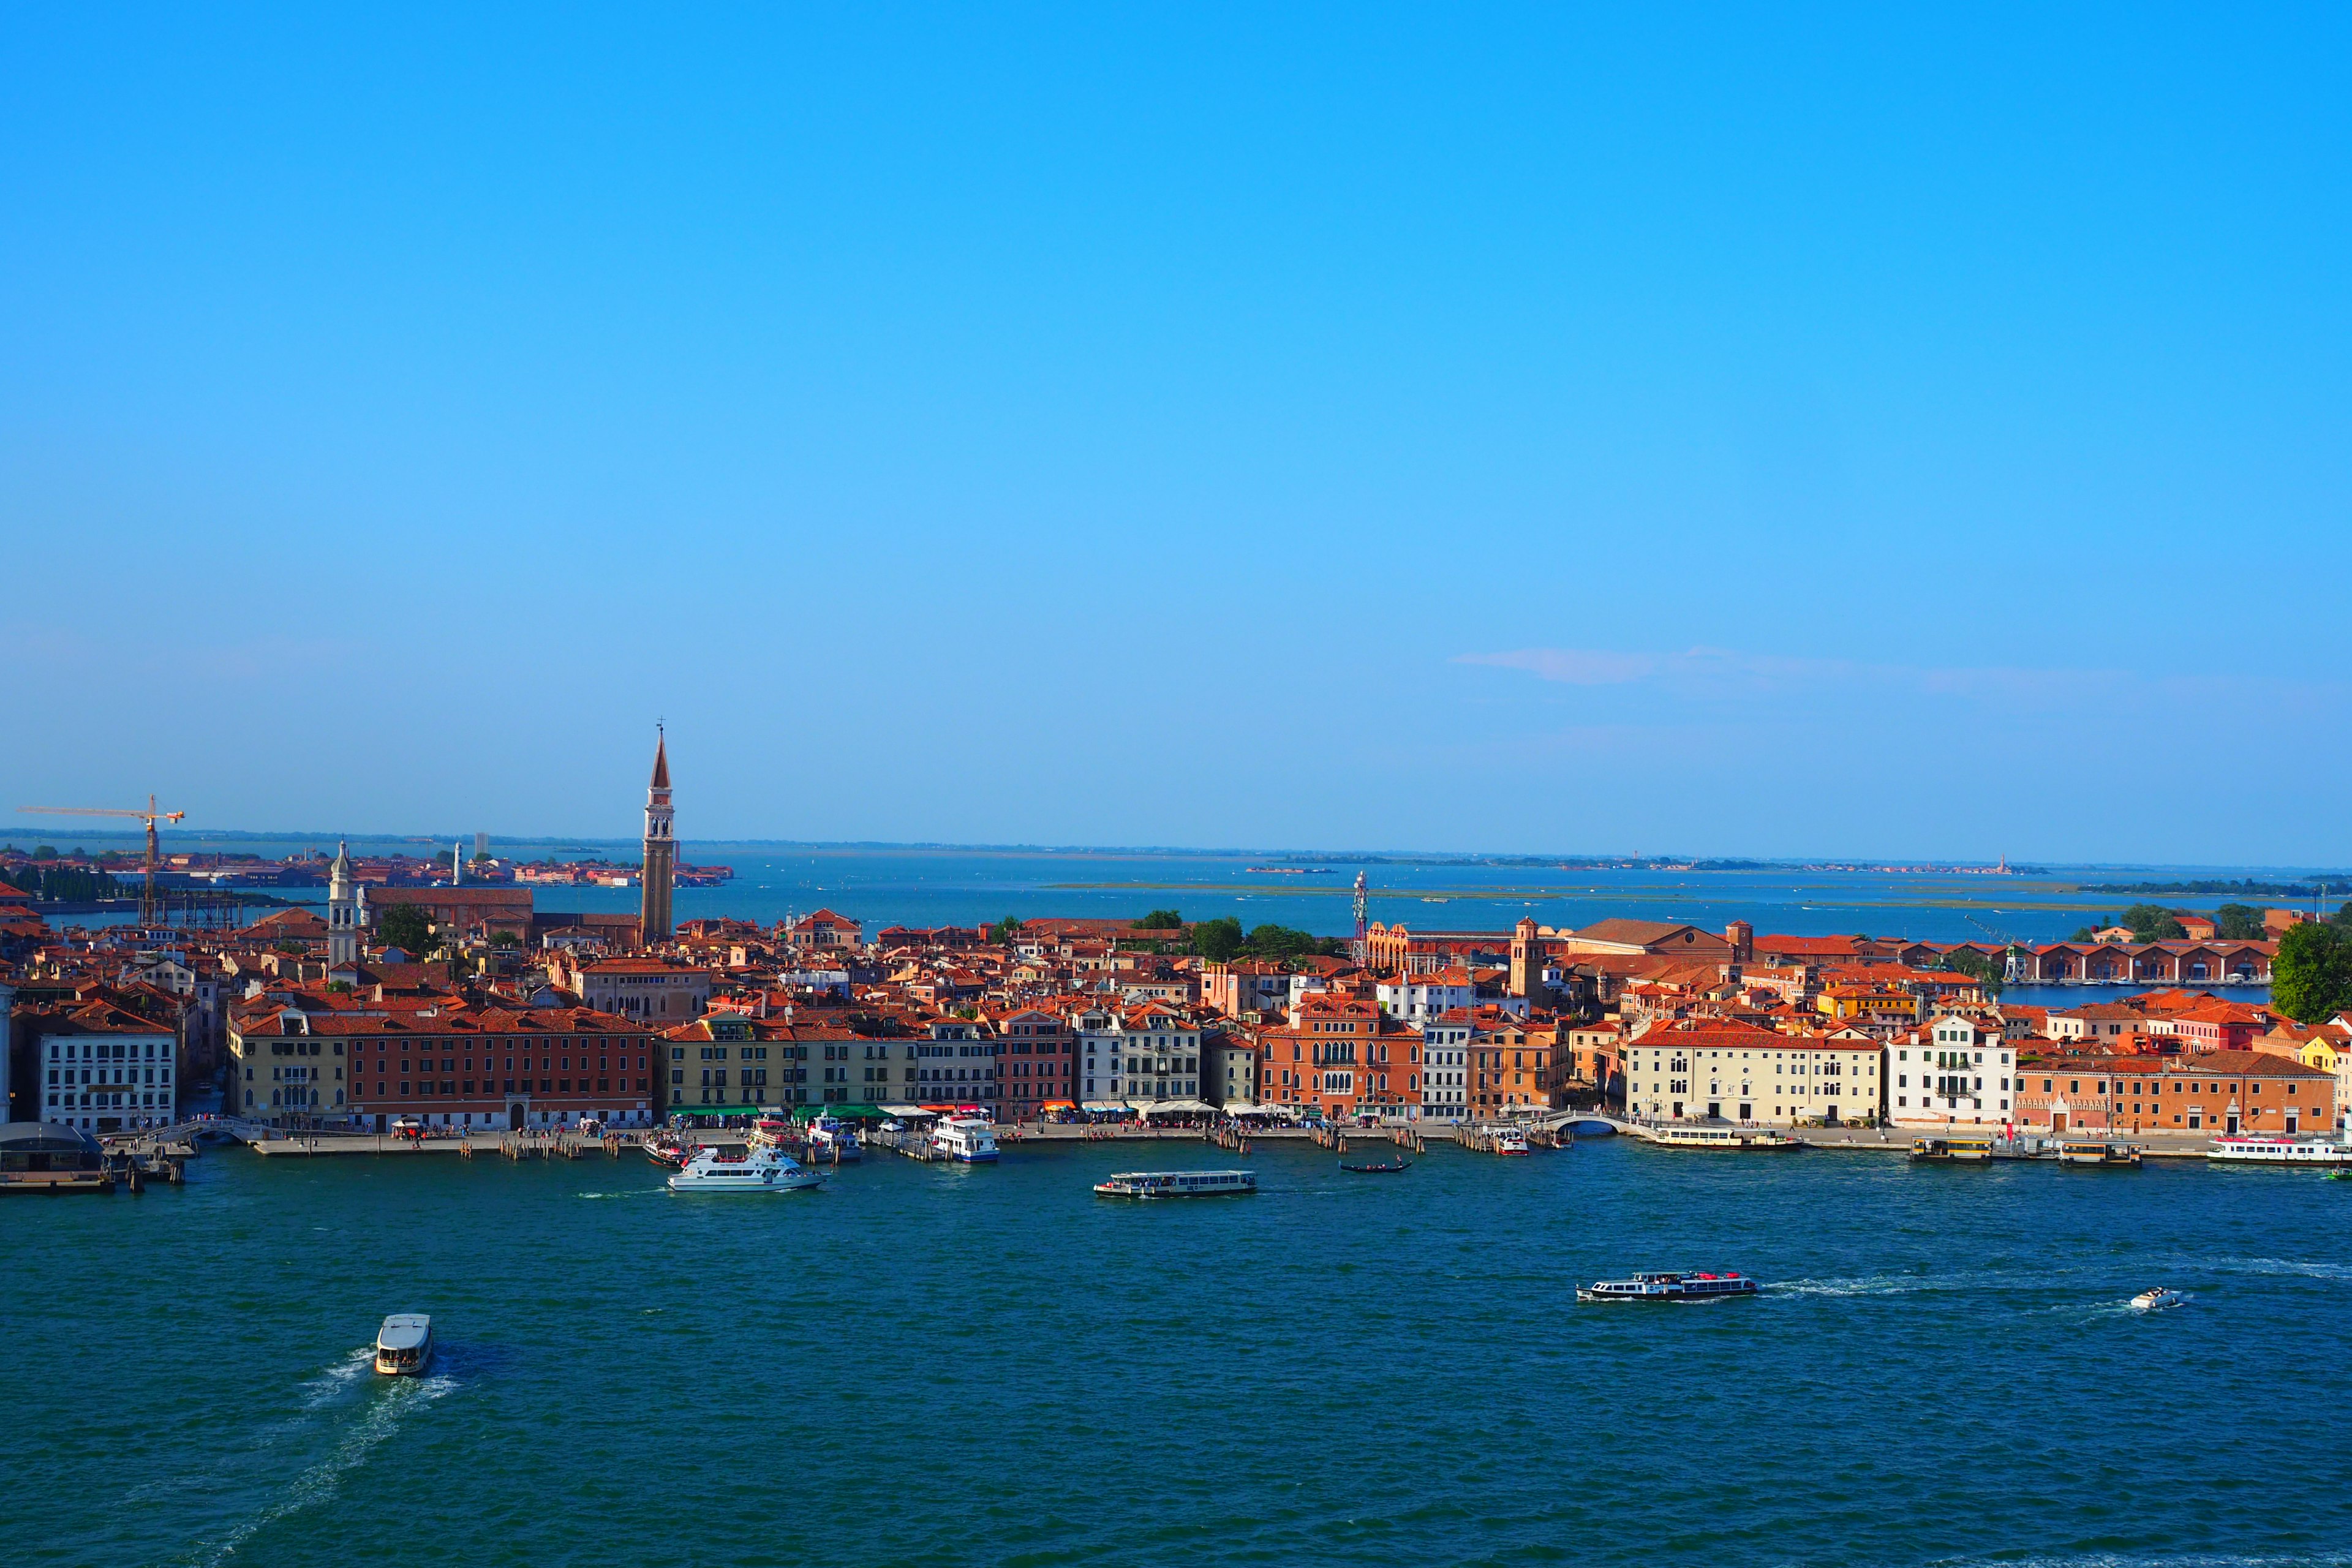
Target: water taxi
1965, 1150
404, 1344
1177, 1184
1668, 1288
1725, 1138
970, 1140
2279, 1148
2085, 1152
1510, 1141
2157, 1299
759, 1171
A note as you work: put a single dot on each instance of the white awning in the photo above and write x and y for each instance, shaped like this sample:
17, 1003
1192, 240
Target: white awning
1106, 1105
903, 1111
1177, 1108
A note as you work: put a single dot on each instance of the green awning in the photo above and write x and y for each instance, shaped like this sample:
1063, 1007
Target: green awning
714, 1110
852, 1112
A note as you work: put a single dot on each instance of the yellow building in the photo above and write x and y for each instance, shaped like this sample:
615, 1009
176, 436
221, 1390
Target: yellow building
1705, 1070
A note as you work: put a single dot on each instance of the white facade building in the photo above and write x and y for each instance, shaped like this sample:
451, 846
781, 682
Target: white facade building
1956, 1072
1445, 1071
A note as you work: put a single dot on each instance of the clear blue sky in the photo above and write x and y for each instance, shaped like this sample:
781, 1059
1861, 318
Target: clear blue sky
1736, 431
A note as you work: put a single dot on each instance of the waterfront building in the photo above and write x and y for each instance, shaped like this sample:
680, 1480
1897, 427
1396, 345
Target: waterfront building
1957, 1070
1510, 1066
654, 921
1039, 1060
1229, 1070
1593, 1059
304, 1063
1445, 1087
956, 1063
2214, 1092
1340, 1056
98, 1067
1705, 1070
732, 1060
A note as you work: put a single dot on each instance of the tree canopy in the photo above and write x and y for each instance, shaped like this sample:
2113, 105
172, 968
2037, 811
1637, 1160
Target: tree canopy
1985, 970
2311, 978
1005, 931
1219, 938
1159, 919
2238, 923
405, 927
2152, 923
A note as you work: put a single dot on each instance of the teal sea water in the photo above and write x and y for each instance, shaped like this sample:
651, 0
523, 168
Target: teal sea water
990, 1365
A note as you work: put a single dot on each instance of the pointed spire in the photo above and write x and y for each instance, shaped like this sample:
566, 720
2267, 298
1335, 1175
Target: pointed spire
661, 759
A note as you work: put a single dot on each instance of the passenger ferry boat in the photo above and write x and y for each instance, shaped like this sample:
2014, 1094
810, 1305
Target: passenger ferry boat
2278, 1149
404, 1344
1726, 1139
2086, 1152
969, 1140
759, 1170
1958, 1150
1177, 1184
1667, 1288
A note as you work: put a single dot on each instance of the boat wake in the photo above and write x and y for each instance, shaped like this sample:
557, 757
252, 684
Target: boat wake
1867, 1285
323, 1388
2290, 1265
351, 1433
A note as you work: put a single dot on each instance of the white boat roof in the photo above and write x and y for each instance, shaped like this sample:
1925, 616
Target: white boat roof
403, 1331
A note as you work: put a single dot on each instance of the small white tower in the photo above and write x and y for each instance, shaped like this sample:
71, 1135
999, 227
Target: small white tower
342, 913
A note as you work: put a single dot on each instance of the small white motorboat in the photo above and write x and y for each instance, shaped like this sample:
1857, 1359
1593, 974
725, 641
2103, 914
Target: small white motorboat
759, 1170
2157, 1299
404, 1345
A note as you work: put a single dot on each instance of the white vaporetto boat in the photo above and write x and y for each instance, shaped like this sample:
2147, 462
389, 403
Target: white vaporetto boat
404, 1344
2282, 1148
759, 1170
971, 1140
1668, 1288
1178, 1184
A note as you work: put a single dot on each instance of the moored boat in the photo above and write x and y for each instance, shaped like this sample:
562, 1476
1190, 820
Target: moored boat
1510, 1141
2282, 1149
404, 1345
1177, 1184
1724, 1140
1959, 1150
759, 1171
832, 1141
969, 1140
2091, 1152
1668, 1288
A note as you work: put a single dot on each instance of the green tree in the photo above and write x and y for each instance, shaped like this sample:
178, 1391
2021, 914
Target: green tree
2152, 923
2238, 923
1159, 919
1005, 931
2311, 978
1985, 970
2342, 917
2081, 933
1280, 942
405, 927
1219, 938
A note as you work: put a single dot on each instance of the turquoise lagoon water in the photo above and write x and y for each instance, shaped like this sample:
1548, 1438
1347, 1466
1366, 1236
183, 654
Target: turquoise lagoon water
990, 1365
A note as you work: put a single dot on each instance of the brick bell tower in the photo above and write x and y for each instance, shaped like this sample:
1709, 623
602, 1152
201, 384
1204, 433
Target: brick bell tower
654, 924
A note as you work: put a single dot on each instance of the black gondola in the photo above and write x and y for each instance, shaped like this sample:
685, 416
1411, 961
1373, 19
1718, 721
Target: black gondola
1392, 1168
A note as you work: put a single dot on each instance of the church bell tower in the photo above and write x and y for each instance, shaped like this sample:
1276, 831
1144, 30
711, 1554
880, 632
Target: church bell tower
342, 912
654, 924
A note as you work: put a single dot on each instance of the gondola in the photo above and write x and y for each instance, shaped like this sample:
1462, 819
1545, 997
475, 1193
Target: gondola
1372, 1168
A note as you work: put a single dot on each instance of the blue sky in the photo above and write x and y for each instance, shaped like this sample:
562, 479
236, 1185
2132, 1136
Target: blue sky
1766, 431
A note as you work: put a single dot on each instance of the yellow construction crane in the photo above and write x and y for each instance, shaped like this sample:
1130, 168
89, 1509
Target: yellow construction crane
150, 816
